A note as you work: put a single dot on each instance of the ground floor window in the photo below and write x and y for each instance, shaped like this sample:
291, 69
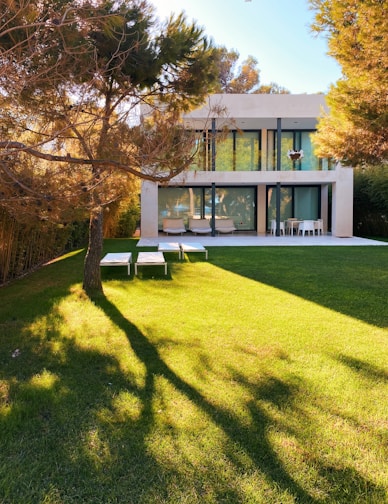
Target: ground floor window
303, 202
237, 203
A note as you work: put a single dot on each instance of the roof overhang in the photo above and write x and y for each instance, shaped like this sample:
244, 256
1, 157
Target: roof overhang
258, 111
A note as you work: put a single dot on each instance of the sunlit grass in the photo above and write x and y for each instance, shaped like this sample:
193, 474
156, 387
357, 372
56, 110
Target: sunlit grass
259, 376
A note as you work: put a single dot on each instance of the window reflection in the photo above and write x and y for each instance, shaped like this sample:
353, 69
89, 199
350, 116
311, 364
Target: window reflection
300, 202
237, 203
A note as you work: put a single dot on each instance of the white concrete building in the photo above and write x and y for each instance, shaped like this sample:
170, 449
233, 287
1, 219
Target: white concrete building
247, 173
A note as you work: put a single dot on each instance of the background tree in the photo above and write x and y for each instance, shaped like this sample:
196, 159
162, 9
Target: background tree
241, 79
74, 75
356, 129
272, 88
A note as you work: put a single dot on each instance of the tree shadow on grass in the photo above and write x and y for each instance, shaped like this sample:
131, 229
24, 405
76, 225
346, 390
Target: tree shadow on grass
343, 484
335, 483
56, 419
252, 440
64, 441
365, 369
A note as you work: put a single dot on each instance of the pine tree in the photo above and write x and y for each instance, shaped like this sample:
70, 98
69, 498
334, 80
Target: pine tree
356, 129
72, 76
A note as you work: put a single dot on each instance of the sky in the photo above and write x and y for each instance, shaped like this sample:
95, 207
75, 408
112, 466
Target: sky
276, 32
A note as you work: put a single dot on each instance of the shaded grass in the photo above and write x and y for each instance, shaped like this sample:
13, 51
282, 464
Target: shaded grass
258, 376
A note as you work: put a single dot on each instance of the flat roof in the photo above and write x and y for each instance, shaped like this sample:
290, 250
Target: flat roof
258, 111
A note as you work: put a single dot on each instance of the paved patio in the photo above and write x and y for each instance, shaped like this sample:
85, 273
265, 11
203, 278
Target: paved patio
240, 240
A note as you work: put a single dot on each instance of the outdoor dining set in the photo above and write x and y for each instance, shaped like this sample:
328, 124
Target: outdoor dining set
295, 226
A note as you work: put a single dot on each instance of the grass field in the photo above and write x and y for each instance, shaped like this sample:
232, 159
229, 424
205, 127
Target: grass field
258, 376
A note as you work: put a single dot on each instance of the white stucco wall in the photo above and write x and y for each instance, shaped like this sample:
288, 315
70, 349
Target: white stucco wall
149, 209
342, 205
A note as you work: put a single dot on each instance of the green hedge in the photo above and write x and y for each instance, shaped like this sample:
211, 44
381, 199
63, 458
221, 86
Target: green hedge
371, 201
25, 246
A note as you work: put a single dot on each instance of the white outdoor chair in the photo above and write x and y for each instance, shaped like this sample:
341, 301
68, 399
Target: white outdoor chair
273, 227
306, 226
318, 226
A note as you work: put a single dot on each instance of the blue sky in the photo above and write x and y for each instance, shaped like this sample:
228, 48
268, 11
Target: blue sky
275, 32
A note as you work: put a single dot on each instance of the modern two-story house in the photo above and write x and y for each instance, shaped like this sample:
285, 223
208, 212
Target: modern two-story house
246, 170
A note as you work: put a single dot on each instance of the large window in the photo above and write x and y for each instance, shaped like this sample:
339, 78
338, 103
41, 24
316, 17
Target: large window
237, 203
294, 140
234, 151
302, 202
225, 153
180, 202
247, 151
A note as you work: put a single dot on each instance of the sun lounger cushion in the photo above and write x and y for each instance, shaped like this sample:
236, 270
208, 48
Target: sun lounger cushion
173, 226
225, 226
199, 226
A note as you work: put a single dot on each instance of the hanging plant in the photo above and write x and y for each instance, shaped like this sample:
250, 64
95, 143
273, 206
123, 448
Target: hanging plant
295, 155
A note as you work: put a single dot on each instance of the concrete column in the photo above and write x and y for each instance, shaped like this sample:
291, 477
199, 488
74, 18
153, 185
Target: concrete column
264, 150
342, 205
149, 209
325, 206
261, 210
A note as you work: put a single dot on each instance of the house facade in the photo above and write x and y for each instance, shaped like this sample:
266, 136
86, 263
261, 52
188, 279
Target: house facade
245, 168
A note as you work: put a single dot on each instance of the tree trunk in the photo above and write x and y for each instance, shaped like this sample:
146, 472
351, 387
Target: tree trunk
92, 273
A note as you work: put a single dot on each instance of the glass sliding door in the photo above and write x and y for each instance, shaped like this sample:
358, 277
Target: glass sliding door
247, 148
286, 207
309, 161
237, 203
235, 151
179, 202
302, 202
292, 140
225, 153
306, 202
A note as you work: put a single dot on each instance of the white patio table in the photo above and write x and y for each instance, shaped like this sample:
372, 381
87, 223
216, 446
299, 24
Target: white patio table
292, 224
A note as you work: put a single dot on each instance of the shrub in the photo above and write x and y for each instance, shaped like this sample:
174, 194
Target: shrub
371, 201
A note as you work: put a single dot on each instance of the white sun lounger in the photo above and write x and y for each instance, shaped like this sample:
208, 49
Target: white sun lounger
193, 247
117, 259
151, 259
170, 247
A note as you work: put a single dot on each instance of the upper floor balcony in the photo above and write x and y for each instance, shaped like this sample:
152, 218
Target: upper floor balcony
242, 151
241, 133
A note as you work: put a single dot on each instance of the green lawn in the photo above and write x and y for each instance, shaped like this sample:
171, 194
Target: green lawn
259, 376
